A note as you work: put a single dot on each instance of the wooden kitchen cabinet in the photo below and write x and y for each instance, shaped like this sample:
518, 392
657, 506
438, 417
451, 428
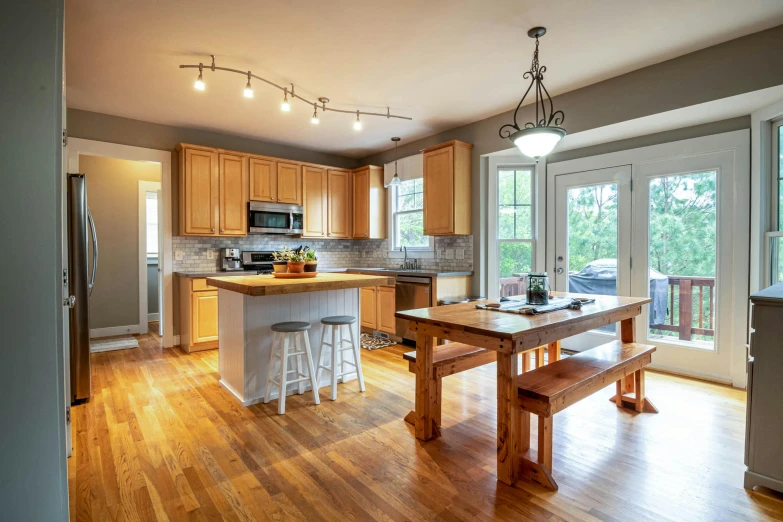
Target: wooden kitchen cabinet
213, 192
198, 315
338, 203
368, 306
198, 191
289, 183
369, 203
232, 185
263, 179
314, 181
385, 309
447, 189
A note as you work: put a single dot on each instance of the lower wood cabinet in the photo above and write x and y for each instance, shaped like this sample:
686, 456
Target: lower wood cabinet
377, 308
198, 315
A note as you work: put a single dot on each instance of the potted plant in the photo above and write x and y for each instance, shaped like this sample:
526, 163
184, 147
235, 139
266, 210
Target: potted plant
311, 261
537, 289
296, 262
280, 263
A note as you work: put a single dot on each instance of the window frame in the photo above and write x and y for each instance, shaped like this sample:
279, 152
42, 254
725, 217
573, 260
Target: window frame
393, 213
151, 255
774, 232
497, 164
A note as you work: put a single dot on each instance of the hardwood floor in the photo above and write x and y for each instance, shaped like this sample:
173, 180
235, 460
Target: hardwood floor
161, 440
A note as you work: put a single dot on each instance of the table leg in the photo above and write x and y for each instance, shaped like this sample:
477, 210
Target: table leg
628, 335
426, 389
508, 448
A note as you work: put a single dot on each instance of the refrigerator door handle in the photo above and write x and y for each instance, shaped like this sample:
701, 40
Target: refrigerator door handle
94, 250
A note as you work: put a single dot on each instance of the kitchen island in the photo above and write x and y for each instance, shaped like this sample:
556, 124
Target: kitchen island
249, 305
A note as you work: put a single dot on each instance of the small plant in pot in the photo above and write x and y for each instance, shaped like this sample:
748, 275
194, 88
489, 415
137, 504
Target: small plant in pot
280, 263
296, 263
537, 289
311, 261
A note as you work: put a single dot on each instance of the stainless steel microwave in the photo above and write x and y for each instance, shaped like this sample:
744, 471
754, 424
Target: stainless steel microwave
275, 218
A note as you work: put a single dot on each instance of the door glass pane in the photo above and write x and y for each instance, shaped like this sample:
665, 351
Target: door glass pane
683, 250
592, 241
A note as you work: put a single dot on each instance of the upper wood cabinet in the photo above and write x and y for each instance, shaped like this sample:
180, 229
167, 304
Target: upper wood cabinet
447, 189
314, 181
275, 181
232, 171
369, 203
212, 192
263, 179
338, 204
289, 183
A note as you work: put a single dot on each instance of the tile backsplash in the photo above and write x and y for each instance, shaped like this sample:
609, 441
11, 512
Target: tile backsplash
200, 254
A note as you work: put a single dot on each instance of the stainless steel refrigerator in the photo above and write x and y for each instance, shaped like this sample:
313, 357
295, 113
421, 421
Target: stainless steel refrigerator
80, 284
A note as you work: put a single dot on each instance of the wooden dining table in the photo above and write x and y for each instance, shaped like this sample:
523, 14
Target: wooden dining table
509, 334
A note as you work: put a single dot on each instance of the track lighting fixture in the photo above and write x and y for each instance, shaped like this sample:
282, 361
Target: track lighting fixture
285, 105
248, 88
199, 84
314, 120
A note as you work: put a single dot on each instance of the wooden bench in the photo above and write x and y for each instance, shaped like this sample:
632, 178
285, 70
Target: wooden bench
554, 387
451, 358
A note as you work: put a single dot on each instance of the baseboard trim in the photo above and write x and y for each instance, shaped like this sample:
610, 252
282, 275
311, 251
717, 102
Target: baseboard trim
114, 330
153, 317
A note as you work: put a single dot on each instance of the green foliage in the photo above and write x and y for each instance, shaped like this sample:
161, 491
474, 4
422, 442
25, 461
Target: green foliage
309, 255
515, 258
410, 225
592, 225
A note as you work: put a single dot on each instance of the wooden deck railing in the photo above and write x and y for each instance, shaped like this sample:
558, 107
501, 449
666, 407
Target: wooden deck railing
691, 320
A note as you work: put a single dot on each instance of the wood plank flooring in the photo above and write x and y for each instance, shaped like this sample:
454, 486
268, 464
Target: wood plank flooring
161, 440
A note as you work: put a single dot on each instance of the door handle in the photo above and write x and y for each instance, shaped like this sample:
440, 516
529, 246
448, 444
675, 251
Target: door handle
69, 301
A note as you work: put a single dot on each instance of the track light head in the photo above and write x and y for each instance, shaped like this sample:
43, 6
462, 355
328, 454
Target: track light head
199, 83
285, 106
248, 88
357, 125
314, 120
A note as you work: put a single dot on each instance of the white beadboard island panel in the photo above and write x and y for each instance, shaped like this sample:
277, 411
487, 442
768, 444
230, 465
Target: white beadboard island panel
245, 334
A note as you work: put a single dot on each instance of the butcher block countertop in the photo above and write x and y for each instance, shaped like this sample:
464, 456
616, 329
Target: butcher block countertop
259, 285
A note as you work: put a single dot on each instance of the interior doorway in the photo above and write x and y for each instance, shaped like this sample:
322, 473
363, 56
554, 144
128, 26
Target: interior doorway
150, 237
667, 222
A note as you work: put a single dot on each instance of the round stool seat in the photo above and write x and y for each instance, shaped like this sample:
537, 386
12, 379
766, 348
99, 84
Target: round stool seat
338, 319
291, 326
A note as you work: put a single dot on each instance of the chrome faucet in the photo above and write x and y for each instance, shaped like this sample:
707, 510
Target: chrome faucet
413, 264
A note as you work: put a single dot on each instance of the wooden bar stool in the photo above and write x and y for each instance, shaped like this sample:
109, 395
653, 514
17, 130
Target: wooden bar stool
288, 334
337, 324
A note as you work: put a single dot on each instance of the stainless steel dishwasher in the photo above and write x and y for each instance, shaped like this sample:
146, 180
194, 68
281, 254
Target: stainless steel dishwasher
411, 292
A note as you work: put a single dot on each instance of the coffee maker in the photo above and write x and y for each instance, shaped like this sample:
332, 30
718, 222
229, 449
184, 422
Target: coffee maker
230, 260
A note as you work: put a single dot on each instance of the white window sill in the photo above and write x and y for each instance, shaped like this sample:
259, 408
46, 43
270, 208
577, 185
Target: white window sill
412, 254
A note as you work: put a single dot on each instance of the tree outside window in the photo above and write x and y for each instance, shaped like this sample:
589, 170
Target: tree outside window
408, 215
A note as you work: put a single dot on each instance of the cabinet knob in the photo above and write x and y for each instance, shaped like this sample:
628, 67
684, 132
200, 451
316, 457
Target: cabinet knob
222, 230
213, 229
279, 199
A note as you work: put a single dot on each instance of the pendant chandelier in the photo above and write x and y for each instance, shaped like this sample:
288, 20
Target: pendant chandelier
536, 139
396, 179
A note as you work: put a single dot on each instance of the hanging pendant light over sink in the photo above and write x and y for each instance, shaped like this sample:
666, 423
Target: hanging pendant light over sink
536, 139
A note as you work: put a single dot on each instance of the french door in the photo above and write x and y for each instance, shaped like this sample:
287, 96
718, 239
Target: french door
669, 229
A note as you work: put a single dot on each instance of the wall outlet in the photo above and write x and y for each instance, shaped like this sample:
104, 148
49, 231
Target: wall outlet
449, 253
178, 255
211, 254
460, 253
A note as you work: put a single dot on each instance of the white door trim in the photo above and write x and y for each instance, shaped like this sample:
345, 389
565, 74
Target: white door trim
144, 187
739, 143
78, 146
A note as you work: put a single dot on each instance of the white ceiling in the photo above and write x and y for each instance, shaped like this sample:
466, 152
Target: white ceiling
443, 62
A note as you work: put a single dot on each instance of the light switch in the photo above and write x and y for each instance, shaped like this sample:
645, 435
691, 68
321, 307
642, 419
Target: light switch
449, 253
211, 254
178, 255
460, 253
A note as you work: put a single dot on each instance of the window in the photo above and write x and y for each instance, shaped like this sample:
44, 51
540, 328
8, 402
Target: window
775, 238
152, 224
408, 216
515, 222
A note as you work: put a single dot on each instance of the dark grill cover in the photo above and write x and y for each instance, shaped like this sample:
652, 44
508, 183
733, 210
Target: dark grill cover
600, 277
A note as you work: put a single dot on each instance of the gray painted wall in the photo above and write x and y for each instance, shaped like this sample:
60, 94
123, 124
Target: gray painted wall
33, 477
152, 287
735, 67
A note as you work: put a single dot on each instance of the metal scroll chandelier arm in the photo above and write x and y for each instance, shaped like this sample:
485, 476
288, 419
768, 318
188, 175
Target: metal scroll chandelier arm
515, 125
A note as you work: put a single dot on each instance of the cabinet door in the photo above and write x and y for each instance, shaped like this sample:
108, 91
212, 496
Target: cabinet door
263, 180
368, 307
361, 204
385, 319
339, 204
439, 192
204, 317
233, 195
289, 183
199, 196
314, 181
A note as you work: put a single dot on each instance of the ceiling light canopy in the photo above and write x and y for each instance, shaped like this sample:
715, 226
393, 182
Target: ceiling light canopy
537, 138
285, 106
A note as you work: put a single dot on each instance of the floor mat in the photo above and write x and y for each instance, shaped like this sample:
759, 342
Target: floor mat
370, 342
115, 343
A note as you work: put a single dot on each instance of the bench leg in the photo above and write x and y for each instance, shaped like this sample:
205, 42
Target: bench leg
553, 352
540, 356
526, 362
540, 470
638, 401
